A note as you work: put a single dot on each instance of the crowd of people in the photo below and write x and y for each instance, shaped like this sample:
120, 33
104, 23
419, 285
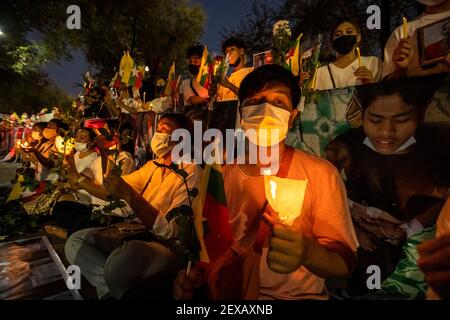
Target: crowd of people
383, 186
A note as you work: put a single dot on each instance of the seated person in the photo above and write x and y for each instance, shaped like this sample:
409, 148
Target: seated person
84, 172
295, 259
48, 150
345, 71
151, 192
401, 54
37, 141
119, 150
394, 168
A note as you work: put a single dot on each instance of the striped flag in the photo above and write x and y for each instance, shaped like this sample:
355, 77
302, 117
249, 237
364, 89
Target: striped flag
210, 206
293, 60
206, 71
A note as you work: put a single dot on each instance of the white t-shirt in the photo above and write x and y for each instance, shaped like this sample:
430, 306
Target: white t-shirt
225, 94
187, 92
344, 77
414, 69
91, 167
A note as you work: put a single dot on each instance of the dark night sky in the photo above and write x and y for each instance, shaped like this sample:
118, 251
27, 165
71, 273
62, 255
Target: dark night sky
220, 13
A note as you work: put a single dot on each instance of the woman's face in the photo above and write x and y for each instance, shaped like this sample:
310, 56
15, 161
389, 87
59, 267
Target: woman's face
82, 136
348, 29
389, 122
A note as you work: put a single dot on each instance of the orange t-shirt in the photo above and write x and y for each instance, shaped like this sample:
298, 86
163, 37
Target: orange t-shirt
325, 217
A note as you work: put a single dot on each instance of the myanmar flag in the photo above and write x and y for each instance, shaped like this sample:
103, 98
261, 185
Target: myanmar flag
210, 206
171, 81
206, 71
293, 59
126, 67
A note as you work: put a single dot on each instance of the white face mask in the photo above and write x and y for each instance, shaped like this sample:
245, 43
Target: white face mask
408, 143
160, 144
431, 3
270, 123
80, 146
36, 135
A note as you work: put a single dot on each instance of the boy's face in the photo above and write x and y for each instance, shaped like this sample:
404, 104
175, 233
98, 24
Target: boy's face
233, 53
389, 122
195, 60
278, 95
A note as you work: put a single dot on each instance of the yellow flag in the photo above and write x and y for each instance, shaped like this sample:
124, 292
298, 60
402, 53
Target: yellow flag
126, 67
294, 61
170, 84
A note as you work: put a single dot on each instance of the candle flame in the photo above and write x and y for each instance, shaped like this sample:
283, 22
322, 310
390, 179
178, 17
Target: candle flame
273, 189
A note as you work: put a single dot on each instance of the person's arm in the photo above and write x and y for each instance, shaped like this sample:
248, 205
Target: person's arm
144, 210
47, 163
401, 58
227, 84
194, 100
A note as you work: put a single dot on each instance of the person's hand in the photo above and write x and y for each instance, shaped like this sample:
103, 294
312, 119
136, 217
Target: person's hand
72, 176
435, 263
288, 247
382, 228
116, 186
185, 285
366, 240
364, 74
304, 76
403, 54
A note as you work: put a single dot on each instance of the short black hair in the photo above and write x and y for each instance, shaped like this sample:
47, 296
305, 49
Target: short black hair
233, 42
417, 92
353, 22
91, 133
181, 120
41, 125
196, 50
264, 76
60, 125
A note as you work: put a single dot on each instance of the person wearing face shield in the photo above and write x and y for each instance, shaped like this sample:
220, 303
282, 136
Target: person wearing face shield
345, 71
401, 54
151, 192
192, 93
270, 259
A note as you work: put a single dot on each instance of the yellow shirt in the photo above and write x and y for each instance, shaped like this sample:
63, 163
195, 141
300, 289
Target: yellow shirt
225, 94
164, 192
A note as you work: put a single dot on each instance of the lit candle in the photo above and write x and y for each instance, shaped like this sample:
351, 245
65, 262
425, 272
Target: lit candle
358, 52
285, 196
405, 28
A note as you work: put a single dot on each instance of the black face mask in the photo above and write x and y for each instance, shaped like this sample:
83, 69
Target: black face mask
193, 69
238, 62
344, 44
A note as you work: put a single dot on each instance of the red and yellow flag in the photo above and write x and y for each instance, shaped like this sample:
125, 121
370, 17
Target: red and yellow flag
206, 71
293, 59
